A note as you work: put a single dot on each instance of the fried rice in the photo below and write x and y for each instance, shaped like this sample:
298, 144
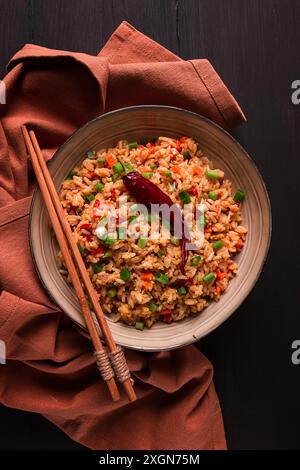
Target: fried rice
140, 283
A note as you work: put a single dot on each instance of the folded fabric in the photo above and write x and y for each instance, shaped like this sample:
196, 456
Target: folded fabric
50, 367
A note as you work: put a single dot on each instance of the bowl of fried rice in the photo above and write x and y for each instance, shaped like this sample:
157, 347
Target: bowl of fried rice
160, 288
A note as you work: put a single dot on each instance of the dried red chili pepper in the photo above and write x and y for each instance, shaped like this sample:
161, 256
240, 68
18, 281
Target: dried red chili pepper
144, 191
147, 193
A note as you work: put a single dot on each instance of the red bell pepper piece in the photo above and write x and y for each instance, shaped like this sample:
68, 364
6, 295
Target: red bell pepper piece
98, 251
193, 191
85, 226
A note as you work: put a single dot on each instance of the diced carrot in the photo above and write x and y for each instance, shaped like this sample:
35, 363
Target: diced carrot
147, 276
207, 229
218, 290
220, 275
239, 245
111, 160
96, 204
151, 150
176, 169
197, 170
113, 194
148, 284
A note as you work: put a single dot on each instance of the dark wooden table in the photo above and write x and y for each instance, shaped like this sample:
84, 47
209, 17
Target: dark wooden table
253, 44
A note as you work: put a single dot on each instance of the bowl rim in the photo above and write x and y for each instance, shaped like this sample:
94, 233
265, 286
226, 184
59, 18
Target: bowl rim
56, 154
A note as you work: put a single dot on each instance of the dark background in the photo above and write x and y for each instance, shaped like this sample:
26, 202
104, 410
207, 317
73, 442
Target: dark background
254, 45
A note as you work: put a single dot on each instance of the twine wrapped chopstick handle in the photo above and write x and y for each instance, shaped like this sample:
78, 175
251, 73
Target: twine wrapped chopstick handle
104, 364
119, 364
113, 364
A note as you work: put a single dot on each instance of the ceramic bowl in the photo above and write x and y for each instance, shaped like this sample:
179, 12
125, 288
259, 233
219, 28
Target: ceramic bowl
134, 124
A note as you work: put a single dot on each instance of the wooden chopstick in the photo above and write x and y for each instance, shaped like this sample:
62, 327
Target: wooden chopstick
111, 383
127, 383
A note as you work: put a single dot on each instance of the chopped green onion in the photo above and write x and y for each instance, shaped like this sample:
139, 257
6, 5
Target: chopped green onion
128, 167
168, 173
99, 186
108, 254
181, 290
196, 260
202, 220
239, 195
134, 208
121, 233
175, 241
132, 145
70, 175
81, 249
112, 292
153, 167
101, 160
109, 241
118, 167
91, 306
147, 175
91, 197
97, 268
186, 155
212, 174
139, 325
160, 277
218, 245
115, 177
212, 195
160, 253
103, 221
152, 306
209, 278
125, 274
90, 154
149, 218
166, 224
142, 242
185, 197
132, 218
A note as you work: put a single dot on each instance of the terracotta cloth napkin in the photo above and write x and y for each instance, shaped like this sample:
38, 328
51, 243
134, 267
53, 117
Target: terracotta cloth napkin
50, 368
